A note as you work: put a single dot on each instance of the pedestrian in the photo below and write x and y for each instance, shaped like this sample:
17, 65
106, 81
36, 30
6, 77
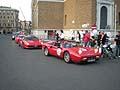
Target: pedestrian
99, 39
117, 40
62, 35
57, 37
78, 36
73, 35
86, 38
104, 39
92, 41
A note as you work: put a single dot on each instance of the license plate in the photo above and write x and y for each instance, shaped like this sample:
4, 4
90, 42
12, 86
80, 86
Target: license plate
36, 45
91, 60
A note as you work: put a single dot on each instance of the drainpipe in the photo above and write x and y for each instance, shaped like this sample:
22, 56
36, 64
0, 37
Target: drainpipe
115, 19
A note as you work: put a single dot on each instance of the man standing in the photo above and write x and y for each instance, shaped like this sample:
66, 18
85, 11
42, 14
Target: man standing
86, 38
62, 35
117, 40
57, 36
99, 38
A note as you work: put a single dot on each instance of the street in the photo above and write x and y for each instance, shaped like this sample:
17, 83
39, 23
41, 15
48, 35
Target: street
29, 69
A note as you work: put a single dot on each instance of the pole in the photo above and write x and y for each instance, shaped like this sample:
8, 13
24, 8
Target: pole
115, 19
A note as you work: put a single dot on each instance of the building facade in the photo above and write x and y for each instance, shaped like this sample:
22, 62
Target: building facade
47, 14
76, 14
117, 2
25, 25
79, 12
8, 19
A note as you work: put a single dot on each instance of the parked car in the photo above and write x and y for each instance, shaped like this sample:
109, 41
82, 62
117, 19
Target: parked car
14, 34
30, 41
71, 51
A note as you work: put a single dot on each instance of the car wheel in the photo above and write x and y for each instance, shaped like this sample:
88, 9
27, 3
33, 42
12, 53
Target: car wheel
46, 52
67, 57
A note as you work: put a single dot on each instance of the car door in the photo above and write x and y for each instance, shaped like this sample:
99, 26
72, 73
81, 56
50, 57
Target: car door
53, 49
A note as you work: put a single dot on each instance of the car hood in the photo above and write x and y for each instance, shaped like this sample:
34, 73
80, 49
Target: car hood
33, 42
85, 50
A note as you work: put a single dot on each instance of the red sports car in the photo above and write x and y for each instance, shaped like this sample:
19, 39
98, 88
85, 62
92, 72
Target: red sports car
18, 38
30, 42
71, 51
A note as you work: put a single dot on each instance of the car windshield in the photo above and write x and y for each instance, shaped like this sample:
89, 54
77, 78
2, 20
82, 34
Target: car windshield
21, 36
31, 38
70, 44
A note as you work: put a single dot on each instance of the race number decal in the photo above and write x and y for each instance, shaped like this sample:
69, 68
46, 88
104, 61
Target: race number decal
59, 51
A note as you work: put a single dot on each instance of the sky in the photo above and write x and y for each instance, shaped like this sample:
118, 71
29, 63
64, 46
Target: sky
21, 5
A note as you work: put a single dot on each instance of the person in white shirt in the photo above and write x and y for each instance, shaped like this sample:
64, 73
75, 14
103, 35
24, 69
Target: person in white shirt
62, 35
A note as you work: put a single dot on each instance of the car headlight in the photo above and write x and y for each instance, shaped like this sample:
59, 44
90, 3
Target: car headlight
80, 51
26, 43
96, 50
41, 42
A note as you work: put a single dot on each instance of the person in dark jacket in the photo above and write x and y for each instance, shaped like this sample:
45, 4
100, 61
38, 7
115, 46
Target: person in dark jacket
117, 40
57, 37
79, 36
99, 38
104, 39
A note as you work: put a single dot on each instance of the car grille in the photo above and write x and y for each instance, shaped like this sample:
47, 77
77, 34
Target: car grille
89, 58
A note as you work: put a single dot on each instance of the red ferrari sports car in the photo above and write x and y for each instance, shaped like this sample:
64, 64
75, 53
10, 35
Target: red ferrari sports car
18, 38
71, 51
30, 42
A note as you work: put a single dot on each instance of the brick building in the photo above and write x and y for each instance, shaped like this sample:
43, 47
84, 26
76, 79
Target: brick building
47, 14
73, 14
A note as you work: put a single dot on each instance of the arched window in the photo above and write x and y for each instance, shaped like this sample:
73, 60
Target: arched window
4, 24
8, 25
65, 20
12, 24
103, 17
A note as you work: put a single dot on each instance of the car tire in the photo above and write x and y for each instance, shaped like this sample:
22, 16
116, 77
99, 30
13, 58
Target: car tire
66, 57
46, 52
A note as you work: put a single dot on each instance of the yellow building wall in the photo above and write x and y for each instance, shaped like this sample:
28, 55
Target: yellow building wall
50, 15
79, 11
69, 12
